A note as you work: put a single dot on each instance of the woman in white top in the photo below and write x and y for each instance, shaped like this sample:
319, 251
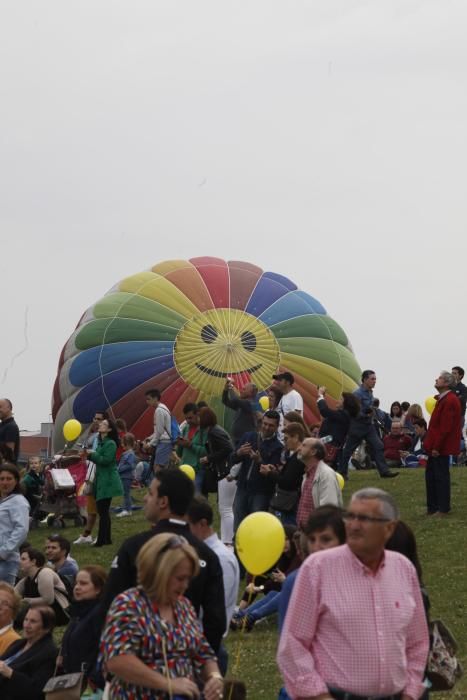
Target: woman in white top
14, 521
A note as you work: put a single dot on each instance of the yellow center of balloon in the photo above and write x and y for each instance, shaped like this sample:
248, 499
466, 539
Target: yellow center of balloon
223, 343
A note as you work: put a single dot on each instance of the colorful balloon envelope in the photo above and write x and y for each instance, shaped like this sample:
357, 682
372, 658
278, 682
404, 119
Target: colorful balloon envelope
184, 327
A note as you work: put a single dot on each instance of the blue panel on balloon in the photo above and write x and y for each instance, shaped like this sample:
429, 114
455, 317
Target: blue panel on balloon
314, 304
91, 364
288, 284
266, 292
111, 388
289, 306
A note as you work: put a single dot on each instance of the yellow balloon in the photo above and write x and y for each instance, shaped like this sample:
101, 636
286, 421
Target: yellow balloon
71, 429
264, 402
260, 541
430, 404
188, 470
340, 481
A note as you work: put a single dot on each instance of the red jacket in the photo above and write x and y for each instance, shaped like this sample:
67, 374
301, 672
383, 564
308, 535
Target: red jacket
394, 443
444, 430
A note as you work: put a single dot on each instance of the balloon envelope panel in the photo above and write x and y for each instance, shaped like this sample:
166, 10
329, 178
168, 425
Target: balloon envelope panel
183, 327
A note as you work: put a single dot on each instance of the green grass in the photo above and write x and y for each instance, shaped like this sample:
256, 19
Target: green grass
442, 550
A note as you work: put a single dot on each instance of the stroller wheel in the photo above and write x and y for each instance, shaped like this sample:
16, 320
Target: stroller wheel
54, 522
80, 521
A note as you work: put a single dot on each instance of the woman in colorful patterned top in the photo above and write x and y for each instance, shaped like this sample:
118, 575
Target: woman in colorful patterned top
153, 644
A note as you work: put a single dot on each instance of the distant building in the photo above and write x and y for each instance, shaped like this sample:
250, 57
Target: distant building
36, 443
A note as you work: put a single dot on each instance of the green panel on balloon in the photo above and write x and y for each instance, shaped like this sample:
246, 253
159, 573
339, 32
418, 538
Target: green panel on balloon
310, 326
319, 373
324, 351
117, 330
132, 306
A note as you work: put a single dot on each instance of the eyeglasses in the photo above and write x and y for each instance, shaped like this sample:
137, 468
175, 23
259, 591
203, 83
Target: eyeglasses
173, 543
350, 517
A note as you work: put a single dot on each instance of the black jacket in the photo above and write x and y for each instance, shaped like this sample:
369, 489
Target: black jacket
80, 643
460, 391
245, 420
31, 670
249, 477
336, 423
205, 591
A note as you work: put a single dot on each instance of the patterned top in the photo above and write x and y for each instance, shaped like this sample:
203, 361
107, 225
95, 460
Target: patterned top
134, 626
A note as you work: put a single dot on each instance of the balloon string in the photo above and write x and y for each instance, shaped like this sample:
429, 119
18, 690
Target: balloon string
242, 629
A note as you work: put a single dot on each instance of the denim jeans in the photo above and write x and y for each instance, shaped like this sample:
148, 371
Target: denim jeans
361, 430
246, 503
126, 483
9, 570
268, 605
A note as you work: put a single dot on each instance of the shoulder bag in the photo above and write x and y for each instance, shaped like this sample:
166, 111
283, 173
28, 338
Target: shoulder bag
443, 669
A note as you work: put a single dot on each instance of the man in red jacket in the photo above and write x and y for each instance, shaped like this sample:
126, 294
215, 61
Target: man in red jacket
441, 442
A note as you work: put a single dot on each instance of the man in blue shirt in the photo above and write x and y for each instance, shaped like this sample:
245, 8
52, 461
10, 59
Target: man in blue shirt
363, 428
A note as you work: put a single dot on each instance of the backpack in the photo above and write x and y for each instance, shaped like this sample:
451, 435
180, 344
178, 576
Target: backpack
174, 428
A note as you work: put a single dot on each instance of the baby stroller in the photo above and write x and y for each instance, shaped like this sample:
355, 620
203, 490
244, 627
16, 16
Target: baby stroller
63, 479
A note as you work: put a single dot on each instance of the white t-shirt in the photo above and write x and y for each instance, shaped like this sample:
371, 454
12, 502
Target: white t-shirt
289, 402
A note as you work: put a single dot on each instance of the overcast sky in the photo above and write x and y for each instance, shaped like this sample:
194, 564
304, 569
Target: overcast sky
325, 140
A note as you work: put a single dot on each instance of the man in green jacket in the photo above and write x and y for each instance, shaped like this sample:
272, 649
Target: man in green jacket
191, 445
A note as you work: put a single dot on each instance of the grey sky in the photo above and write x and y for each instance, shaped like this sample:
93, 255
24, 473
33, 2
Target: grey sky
324, 140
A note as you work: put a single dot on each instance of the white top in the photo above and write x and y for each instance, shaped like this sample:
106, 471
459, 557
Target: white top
289, 402
230, 571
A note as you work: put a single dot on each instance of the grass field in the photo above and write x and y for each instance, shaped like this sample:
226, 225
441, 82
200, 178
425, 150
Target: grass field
442, 548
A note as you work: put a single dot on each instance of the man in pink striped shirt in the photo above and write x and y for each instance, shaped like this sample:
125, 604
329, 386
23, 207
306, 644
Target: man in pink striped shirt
355, 627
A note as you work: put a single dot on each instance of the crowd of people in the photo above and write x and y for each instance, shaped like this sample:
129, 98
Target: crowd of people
154, 625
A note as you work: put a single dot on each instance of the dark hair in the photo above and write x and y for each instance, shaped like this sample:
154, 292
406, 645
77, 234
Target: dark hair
421, 422
272, 414
120, 424
62, 541
319, 449
200, 509
23, 547
14, 471
351, 404
190, 408
35, 555
104, 414
405, 405
403, 541
296, 417
10, 405
178, 488
202, 404
153, 394
113, 432
207, 418
277, 393
459, 370
376, 403
398, 405
97, 574
295, 429
47, 616
6, 453
367, 373
290, 531
323, 517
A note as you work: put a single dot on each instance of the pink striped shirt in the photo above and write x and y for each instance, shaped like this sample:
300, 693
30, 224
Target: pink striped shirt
354, 630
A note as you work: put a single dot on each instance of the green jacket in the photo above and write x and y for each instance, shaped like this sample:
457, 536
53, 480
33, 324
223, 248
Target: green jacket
192, 455
107, 483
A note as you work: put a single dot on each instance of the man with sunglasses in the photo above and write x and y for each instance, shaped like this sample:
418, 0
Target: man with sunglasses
355, 627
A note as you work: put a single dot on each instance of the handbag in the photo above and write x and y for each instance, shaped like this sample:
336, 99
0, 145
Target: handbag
66, 687
88, 487
284, 500
443, 669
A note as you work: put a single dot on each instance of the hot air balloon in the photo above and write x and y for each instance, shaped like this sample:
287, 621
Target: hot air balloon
184, 327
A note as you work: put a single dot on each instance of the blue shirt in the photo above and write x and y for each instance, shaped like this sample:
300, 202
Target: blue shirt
365, 396
284, 597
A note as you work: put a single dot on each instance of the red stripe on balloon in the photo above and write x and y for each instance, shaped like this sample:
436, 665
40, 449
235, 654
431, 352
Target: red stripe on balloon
243, 279
215, 274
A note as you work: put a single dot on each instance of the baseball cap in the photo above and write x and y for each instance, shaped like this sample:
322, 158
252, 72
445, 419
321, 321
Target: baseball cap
288, 376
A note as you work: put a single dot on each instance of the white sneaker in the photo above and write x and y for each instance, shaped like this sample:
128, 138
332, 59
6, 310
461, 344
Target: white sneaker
83, 539
93, 541
123, 514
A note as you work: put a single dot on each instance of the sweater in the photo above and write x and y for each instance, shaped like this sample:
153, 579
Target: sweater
107, 483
